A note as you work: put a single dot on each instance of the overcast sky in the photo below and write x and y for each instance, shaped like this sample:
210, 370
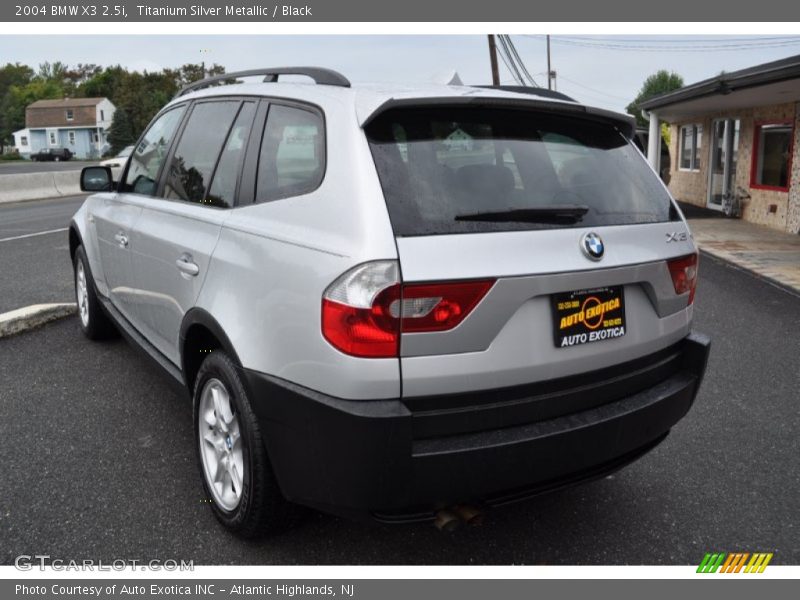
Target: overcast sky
588, 69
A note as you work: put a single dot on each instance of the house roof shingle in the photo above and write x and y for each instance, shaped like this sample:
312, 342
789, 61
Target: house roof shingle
66, 103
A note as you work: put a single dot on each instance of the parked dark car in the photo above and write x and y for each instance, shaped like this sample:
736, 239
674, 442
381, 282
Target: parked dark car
54, 154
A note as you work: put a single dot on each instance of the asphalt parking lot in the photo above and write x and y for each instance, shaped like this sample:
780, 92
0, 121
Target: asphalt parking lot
98, 460
34, 252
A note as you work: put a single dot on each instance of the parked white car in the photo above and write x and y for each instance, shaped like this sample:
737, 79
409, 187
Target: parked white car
117, 163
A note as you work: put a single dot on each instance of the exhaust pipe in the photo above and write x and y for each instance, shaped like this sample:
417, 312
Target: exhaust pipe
446, 521
471, 515
449, 519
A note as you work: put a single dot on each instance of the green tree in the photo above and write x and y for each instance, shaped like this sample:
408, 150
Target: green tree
10, 75
137, 96
121, 133
55, 71
74, 77
18, 97
189, 73
107, 83
14, 74
660, 82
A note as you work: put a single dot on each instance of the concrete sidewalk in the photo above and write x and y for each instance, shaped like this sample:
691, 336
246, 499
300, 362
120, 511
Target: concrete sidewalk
770, 254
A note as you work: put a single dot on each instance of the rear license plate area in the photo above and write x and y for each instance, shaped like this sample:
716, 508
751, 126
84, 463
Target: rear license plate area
587, 316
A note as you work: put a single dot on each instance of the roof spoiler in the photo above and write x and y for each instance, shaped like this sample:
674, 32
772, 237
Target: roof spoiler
626, 124
526, 89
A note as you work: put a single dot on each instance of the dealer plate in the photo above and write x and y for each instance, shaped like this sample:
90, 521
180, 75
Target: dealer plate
587, 316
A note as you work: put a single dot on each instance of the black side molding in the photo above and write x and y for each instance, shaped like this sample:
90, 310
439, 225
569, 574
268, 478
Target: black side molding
138, 341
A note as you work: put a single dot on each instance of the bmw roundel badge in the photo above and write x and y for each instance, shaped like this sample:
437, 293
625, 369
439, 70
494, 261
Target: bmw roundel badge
592, 246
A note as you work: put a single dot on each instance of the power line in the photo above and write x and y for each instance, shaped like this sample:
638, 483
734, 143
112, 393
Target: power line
520, 61
510, 70
510, 64
656, 39
699, 48
591, 89
584, 97
625, 46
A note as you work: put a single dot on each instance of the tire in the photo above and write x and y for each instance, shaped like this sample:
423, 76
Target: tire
222, 410
94, 323
57, 159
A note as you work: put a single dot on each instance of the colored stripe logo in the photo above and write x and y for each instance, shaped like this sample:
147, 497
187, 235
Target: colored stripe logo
736, 562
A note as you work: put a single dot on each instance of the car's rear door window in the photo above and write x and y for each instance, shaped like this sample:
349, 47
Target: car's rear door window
195, 158
442, 168
223, 185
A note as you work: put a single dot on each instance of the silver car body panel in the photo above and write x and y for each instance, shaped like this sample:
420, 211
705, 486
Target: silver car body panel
165, 233
113, 219
264, 268
274, 260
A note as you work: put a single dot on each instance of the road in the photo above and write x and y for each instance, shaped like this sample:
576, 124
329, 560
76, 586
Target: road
34, 252
98, 460
28, 166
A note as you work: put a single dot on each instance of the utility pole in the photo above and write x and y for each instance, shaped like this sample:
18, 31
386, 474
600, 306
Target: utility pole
493, 59
549, 71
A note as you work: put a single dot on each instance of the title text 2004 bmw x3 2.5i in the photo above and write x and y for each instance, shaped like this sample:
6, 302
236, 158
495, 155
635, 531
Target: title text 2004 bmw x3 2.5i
387, 302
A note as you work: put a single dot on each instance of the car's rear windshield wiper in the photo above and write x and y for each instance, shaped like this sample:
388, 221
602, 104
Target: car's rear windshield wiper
565, 213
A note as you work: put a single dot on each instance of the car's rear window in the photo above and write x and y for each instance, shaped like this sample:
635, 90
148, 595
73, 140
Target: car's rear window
446, 169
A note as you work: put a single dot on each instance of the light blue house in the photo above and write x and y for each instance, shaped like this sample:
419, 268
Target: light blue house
78, 124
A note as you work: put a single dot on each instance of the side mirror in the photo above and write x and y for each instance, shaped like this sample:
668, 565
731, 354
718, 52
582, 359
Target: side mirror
96, 179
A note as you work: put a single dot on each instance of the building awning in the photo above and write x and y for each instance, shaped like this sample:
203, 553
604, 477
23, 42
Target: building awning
771, 83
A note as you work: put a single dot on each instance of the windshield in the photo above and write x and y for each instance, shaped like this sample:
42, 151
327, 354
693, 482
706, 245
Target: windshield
125, 152
458, 170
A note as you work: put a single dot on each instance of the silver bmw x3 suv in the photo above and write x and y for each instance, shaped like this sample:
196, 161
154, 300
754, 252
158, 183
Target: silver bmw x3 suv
395, 302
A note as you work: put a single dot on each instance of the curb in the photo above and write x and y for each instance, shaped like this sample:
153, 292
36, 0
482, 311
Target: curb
30, 317
727, 261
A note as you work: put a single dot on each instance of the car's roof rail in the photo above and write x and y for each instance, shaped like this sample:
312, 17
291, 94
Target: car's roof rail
321, 76
525, 89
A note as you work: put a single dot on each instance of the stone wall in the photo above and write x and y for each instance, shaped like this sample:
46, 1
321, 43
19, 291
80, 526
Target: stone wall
793, 218
692, 186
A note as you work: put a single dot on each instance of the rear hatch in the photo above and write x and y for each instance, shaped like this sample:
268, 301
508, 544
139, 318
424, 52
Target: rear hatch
565, 231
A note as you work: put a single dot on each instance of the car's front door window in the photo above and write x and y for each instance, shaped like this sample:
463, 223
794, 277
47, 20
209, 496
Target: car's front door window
150, 153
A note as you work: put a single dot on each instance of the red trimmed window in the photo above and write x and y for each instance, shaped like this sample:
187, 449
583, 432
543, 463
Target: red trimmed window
772, 156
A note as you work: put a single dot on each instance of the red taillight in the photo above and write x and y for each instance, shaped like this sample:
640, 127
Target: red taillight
369, 332
438, 306
365, 310
684, 274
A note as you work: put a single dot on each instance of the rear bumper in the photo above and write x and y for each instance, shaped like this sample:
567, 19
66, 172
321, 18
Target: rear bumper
390, 461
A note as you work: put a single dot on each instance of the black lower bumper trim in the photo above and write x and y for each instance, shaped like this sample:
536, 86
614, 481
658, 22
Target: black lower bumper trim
532, 491
361, 458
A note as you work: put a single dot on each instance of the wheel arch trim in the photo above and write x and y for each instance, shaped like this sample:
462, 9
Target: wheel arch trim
198, 316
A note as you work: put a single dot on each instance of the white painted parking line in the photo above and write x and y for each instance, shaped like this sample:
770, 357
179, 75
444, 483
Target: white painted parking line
29, 235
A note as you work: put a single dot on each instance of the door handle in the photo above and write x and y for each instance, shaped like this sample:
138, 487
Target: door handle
187, 266
122, 240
